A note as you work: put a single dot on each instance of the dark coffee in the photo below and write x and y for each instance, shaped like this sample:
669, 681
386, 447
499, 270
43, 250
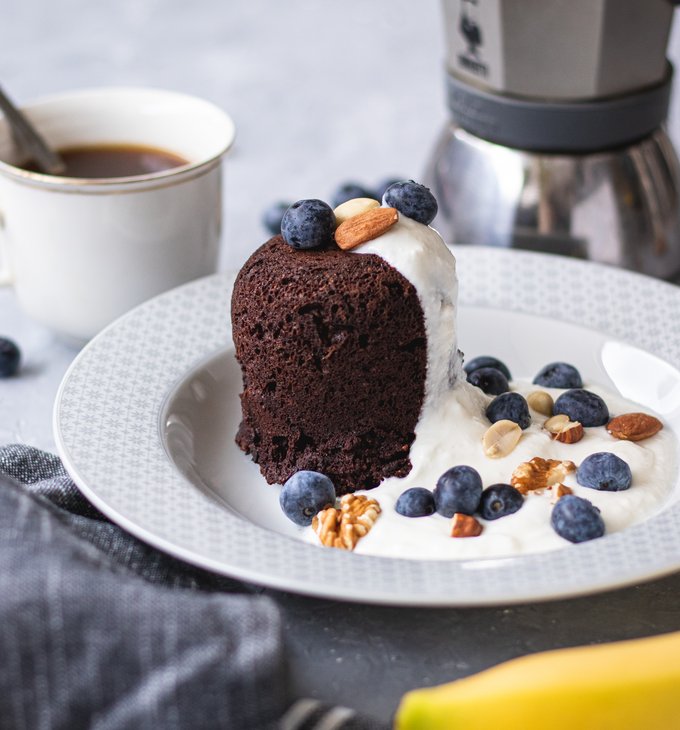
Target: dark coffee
114, 160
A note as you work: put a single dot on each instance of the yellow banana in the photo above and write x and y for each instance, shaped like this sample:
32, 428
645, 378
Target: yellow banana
628, 685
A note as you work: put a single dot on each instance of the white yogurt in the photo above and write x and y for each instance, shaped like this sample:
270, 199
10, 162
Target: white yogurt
452, 435
452, 424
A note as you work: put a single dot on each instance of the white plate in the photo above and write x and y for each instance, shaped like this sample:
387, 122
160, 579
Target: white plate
145, 421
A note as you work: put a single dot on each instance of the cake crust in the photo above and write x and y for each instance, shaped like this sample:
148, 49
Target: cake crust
333, 355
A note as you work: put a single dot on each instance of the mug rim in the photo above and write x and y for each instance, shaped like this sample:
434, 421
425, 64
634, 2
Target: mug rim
57, 182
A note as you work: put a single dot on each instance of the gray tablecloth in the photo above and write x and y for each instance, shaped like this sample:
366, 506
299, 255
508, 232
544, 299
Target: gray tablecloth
98, 630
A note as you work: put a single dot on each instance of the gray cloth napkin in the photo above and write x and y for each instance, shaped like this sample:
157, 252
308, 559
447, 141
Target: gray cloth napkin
99, 630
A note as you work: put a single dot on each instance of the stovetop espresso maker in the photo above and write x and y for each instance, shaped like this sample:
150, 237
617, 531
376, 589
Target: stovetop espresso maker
556, 140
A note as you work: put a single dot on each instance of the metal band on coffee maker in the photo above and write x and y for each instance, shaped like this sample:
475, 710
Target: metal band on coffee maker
544, 126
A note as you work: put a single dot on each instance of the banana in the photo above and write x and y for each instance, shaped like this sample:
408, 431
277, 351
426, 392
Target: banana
628, 685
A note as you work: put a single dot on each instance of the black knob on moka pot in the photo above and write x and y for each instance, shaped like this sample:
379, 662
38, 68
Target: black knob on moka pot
556, 139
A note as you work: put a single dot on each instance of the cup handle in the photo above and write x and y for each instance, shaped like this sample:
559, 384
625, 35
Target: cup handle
6, 278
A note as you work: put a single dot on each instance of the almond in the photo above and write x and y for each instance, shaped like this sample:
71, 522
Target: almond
365, 227
351, 208
634, 426
465, 526
563, 490
541, 402
556, 423
564, 430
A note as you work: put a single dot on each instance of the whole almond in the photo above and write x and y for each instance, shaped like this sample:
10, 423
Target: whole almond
353, 207
541, 402
465, 526
365, 227
634, 426
499, 440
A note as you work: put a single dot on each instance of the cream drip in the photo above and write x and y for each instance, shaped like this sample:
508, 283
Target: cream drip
420, 255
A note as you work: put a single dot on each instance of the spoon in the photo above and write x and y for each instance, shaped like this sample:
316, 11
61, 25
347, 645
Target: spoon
29, 140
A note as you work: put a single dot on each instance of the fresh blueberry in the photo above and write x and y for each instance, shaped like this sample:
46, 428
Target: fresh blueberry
308, 224
511, 407
413, 200
415, 502
458, 490
559, 375
499, 500
304, 495
10, 357
604, 471
576, 519
486, 361
490, 380
382, 187
348, 191
272, 217
583, 406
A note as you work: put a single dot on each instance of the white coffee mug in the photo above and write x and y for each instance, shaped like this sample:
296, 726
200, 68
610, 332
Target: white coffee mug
81, 252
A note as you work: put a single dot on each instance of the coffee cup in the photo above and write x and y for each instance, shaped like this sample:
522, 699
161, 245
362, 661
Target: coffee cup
81, 251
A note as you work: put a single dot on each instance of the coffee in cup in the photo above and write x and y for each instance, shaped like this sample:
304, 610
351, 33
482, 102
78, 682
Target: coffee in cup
81, 249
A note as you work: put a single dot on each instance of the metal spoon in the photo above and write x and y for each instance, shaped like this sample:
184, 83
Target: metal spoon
29, 140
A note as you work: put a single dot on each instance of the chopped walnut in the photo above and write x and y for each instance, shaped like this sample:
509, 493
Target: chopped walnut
540, 473
343, 527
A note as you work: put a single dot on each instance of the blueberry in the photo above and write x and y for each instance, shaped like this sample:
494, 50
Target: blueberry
559, 375
486, 361
308, 224
382, 187
458, 490
413, 200
604, 471
576, 519
511, 407
415, 502
10, 356
304, 495
348, 191
499, 500
583, 406
490, 380
272, 217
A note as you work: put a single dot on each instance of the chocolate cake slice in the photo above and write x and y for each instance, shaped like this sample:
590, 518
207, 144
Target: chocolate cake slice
333, 352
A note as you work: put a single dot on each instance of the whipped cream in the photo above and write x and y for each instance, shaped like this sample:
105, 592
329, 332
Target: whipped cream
452, 423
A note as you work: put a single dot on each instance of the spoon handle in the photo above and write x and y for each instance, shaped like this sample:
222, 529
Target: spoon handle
46, 159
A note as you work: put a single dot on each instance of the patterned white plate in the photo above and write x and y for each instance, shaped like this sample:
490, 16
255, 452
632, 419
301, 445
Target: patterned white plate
145, 419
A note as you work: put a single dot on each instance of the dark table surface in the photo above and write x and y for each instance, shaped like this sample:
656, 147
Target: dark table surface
366, 657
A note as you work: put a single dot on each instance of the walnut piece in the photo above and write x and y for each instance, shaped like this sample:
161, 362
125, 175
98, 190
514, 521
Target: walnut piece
343, 527
540, 473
